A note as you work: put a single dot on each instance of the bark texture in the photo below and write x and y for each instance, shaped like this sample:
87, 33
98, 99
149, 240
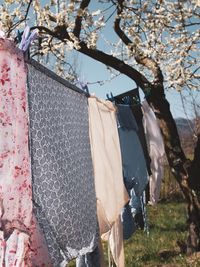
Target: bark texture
186, 172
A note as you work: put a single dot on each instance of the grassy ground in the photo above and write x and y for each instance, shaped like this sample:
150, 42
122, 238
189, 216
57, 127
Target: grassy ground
166, 226
159, 248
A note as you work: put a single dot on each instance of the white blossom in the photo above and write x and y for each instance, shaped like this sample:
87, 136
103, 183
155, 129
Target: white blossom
164, 31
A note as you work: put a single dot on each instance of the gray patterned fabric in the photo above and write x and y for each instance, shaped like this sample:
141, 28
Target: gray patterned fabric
62, 173
90, 259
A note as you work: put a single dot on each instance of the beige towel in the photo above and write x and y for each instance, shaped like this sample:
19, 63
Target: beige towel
106, 155
116, 242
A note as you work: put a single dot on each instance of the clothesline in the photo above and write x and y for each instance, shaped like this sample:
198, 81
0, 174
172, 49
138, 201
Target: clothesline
57, 78
86, 172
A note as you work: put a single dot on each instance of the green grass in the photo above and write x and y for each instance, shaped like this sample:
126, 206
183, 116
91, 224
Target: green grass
159, 248
166, 227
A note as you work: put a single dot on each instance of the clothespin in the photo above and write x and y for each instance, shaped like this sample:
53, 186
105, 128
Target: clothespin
85, 88
83, 85
127, 100
107, 96
110, 97
26, 38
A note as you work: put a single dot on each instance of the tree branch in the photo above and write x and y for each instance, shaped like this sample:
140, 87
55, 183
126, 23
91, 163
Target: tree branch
118, 65
139, 57
61, 33
117, 27
20, 21
78, 22
45, 30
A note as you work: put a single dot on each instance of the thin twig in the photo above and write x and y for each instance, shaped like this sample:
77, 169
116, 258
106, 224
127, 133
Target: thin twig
20, 21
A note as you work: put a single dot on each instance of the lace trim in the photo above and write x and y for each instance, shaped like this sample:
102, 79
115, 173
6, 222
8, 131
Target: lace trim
73, 253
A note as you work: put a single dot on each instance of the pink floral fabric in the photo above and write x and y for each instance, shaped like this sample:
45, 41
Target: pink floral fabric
21, 243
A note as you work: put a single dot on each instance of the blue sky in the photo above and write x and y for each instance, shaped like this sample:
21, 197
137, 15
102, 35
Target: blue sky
92, 71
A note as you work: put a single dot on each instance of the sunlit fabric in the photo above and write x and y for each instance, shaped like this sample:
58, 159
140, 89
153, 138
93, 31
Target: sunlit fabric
21, 243
156, 151
63, 182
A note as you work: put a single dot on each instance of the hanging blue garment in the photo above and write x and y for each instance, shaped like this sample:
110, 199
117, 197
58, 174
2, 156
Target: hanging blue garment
128, 221
134, 167
137, 209
132, 98
135, 203
133, 215
133, 161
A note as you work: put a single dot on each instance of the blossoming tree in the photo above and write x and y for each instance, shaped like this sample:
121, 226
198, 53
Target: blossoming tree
161, 41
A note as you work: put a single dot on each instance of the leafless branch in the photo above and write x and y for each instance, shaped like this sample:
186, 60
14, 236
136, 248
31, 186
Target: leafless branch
20, 21
139, 57
118, 65
102, 57
78, 22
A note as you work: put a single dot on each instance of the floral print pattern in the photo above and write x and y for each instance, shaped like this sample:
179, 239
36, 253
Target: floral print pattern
20, 240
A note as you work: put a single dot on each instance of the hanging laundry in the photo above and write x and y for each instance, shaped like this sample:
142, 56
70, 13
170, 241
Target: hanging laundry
110, 191
20, 239
132, 98
127, 218
116, 242
89, 260
63, 183
133, 161
134, 166
95, 258
138, 115
138, 210
106, 156
156, 151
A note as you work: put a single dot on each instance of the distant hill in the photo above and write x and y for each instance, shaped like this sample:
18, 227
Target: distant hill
186, 130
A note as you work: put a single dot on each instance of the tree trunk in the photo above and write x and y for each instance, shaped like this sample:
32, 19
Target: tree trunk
186, 172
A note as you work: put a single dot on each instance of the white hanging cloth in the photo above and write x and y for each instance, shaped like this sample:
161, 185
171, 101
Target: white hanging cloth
156, 151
